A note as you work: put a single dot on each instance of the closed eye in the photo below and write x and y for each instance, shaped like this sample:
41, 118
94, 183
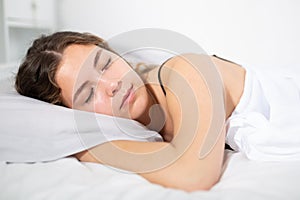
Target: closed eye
91, 94
107, 64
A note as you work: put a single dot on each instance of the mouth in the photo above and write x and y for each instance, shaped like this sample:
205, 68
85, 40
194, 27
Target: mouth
127, 96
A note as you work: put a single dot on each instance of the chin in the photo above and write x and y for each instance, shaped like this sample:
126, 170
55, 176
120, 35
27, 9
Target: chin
137, 109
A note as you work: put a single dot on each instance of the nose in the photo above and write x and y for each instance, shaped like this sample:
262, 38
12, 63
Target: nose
111, 87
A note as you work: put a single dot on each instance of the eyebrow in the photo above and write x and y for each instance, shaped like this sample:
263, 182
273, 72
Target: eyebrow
79, 90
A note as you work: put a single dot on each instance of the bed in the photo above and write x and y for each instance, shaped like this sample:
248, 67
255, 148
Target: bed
67, 178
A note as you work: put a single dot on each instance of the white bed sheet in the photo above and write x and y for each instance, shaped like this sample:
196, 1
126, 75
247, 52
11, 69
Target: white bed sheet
70, 179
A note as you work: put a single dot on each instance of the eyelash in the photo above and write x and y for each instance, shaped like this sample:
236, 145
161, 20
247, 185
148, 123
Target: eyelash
107, 64
90, 96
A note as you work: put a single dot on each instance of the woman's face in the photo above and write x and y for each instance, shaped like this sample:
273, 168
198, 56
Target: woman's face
96, 80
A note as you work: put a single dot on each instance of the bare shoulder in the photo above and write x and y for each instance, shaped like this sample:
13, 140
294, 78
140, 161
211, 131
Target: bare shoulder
181, 63
229, 75
187, 65
186, 58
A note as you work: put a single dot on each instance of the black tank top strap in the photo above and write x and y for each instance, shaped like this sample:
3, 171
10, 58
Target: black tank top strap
160, 81
159, 76
224, 59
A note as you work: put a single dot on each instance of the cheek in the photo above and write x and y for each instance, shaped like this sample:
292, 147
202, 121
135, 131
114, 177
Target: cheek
102, 106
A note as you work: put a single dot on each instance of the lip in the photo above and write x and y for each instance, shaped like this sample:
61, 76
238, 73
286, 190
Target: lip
127, 95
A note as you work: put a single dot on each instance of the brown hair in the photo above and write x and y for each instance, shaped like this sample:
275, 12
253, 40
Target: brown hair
36, 74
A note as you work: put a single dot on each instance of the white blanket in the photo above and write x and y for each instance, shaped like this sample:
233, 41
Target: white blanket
265, 124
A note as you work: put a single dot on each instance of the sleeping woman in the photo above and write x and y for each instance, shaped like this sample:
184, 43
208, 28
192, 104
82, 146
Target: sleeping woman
80, 71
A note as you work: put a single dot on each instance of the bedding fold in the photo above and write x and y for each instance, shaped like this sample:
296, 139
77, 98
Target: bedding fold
265, 124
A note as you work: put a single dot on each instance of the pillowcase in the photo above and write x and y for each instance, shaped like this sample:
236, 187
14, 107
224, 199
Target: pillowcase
32, 130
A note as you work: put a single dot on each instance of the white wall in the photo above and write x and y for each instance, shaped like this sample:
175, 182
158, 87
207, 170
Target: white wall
246, 31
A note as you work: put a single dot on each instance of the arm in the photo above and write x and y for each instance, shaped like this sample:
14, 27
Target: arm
175, 164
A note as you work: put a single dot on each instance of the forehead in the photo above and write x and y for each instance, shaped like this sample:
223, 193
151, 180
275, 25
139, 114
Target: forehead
74, 57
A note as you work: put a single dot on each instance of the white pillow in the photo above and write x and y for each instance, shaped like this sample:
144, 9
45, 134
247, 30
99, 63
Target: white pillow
32, 130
